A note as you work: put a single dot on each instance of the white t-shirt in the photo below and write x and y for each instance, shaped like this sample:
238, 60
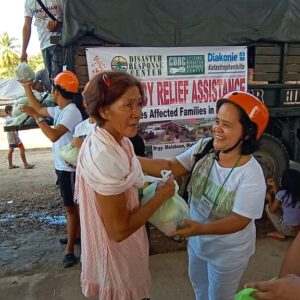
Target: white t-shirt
12, 136
69, 117
243, 193
33, 9
84, 128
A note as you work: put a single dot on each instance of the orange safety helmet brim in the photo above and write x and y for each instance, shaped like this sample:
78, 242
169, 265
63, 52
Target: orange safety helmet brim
255, 109
68, 81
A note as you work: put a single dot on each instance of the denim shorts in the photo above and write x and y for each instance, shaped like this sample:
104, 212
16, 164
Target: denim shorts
53, 59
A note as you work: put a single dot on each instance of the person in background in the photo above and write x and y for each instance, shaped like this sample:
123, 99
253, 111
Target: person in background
226, 194
14, 141
283, 209
41, 81
46, 28
114, 248
287, 286
82, 130
66, 116
138, 145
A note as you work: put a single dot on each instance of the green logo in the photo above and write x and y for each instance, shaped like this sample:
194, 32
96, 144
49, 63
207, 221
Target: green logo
119, 63
185, 65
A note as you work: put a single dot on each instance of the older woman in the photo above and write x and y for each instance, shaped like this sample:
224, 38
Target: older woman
226, 193
113, 236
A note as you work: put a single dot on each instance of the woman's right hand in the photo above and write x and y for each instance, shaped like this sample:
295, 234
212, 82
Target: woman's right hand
166, 190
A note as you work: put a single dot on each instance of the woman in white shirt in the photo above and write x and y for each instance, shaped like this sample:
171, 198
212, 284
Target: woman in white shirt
226, 194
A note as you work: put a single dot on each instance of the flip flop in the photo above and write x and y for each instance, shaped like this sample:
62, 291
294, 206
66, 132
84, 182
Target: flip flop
276, 235
29, 167
14, 167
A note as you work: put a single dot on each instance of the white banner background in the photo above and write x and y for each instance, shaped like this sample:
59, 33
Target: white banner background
180, 84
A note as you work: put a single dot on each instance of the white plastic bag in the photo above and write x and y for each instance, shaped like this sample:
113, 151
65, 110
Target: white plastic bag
69, 154
169, 215
23, 72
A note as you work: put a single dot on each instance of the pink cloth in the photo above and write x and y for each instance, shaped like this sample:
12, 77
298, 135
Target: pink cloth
113, 271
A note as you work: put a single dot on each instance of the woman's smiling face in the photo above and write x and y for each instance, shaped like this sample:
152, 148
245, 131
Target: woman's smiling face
122, 116
227, 129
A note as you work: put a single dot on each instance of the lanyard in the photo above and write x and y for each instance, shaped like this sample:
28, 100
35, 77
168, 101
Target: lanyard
219, 191
58, 118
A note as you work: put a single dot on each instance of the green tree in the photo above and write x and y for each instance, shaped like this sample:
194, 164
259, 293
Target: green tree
9, 57
9, 51
36, 62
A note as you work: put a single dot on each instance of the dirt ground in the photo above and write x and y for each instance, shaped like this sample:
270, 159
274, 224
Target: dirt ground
32, 218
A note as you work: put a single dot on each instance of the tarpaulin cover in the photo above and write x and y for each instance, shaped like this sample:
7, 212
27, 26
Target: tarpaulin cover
164, 23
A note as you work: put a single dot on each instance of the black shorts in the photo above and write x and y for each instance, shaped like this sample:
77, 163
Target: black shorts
66, 182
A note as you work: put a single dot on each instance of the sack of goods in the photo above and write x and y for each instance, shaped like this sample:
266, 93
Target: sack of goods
23, 72
69, 154
170, 214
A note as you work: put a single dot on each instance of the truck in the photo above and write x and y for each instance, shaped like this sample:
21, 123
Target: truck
270, 30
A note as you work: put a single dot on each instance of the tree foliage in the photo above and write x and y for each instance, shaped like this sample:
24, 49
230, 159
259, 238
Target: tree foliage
10, 57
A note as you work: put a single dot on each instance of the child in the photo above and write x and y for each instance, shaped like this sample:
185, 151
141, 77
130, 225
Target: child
14, 142
284, 209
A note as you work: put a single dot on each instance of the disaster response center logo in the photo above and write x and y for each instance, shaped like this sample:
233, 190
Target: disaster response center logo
226, 63
119, 63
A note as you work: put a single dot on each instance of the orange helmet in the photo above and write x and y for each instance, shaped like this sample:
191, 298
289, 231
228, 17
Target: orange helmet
252, 106
68, 81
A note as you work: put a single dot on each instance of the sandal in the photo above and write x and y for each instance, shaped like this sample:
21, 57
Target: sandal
276, 235
13, 167
29, 166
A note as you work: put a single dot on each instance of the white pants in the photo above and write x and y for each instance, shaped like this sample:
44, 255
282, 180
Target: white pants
212, 282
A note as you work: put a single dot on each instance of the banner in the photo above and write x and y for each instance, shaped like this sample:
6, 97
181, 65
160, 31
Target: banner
181, 86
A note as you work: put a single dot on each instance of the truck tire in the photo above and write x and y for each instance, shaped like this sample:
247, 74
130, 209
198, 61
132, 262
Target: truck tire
272, 156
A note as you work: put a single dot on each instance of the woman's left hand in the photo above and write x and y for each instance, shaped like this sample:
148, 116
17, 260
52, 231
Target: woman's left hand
189, 228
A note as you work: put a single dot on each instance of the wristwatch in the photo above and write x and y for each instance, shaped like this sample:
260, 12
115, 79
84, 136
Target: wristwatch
39, 120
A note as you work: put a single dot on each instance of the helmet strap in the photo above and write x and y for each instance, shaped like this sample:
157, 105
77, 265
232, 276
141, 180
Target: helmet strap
233, 147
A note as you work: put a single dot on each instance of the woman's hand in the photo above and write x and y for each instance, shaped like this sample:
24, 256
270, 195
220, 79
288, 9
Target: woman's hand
54, 26
29, 111
76, 142
27, 84
165, 190
189, 228
285, 288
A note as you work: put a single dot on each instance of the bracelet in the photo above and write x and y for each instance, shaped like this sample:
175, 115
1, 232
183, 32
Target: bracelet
39, 120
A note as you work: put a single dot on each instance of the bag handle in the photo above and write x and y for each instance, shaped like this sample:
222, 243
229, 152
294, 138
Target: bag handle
207, 149
47, 11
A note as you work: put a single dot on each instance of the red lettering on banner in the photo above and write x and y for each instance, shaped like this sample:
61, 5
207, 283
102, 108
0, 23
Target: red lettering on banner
210, 90
148, 88
172, 92
159, 93
150, 91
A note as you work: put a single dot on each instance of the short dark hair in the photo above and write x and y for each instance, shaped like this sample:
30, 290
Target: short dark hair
63, 92
250, 143
105, 88
8, 108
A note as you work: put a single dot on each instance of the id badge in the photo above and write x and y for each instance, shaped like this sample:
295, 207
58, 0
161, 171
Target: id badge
205, 206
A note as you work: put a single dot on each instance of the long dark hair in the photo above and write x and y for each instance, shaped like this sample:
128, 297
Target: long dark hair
290, 182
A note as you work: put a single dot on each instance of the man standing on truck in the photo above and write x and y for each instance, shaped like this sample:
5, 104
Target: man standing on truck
46, 28
66, 116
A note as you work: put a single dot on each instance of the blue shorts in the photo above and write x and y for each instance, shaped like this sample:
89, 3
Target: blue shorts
19, 145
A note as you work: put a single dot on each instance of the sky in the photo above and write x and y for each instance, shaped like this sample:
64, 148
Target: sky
12, 21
